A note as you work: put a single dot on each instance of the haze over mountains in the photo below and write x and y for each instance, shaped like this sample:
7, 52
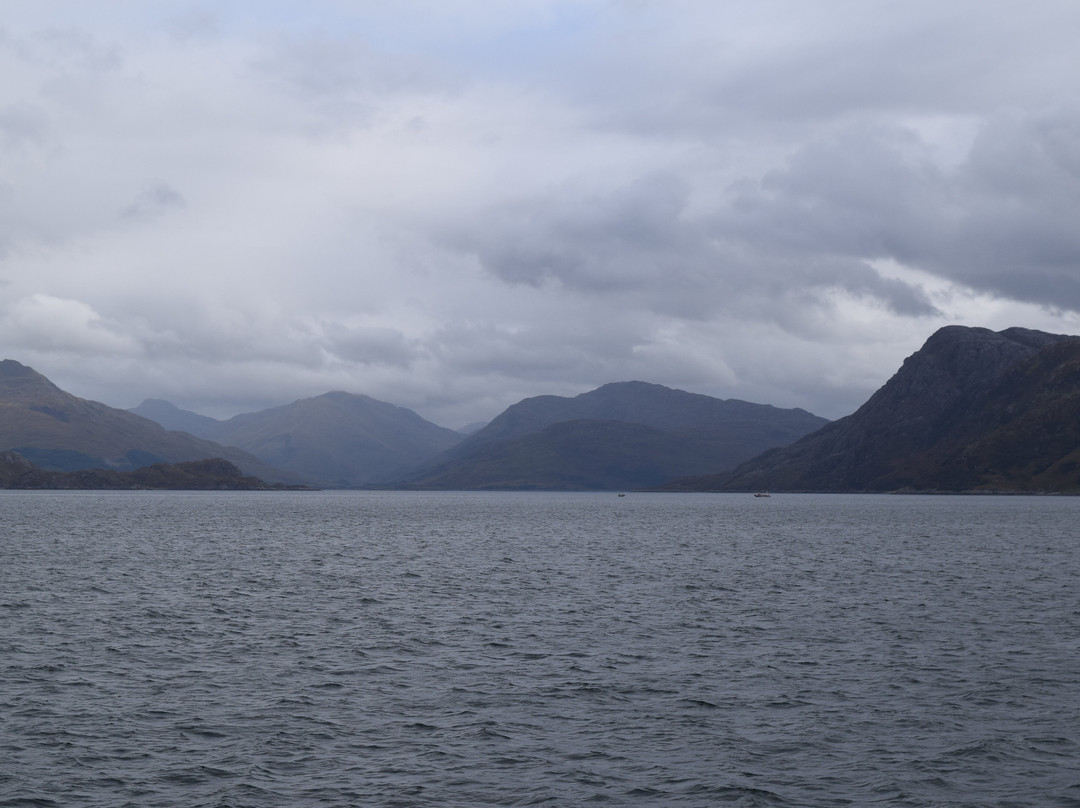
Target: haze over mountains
622, 435
972, 410
172, 417
61, 432
337, 440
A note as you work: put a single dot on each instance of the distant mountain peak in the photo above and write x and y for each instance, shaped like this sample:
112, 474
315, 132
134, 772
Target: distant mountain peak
635, 387
17, 376
10, 369
337, 439
172, 417
341, 395
631, 385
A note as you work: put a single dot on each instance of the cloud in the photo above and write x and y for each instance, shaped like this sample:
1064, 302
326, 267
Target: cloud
1018, 203
43, 323
22, 125
644, 244
157, 199
593, 241
369, 346
452, 205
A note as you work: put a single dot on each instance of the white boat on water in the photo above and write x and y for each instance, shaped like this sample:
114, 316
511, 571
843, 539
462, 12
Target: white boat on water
762, 494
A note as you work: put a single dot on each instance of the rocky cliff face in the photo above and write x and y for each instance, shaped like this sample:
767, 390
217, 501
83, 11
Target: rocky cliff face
1023, 434
946, 420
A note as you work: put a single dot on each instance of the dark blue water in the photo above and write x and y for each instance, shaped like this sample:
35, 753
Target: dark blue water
370, 649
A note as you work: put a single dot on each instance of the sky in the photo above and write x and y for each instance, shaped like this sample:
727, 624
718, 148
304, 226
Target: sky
451, 205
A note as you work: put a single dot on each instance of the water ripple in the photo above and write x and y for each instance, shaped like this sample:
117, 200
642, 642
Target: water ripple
468, 650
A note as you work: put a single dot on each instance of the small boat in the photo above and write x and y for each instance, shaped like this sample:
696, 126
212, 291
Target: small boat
622, 495
762, 494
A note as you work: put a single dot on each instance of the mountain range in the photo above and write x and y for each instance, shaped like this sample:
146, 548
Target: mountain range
972, 410
621, 435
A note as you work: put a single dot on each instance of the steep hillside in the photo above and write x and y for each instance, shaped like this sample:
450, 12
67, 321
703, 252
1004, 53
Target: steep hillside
1023, 435
337, 439
623, 435
61, 432
973, 409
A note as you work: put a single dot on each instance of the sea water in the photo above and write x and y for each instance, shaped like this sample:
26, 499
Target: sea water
483, 649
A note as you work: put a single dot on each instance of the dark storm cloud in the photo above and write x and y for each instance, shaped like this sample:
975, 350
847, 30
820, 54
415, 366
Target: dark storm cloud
642, 240
1017, 207
591, 240
1003, 221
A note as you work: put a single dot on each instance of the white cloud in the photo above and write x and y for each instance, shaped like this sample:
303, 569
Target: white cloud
451, 205
42, 323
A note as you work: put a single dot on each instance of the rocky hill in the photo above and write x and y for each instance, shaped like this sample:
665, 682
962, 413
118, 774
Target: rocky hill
337, 440
972, 410
61, 432
622, 435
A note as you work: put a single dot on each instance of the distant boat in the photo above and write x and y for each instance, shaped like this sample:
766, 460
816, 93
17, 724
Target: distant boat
622, 495
762, 494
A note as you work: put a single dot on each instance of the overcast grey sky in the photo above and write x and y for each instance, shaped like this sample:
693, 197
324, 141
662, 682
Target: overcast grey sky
454, 204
